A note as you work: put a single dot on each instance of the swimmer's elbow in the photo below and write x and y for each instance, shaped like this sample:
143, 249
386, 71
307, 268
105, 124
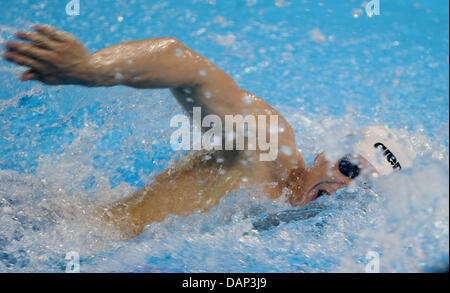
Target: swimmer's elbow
167, 43
170, 44
173, 41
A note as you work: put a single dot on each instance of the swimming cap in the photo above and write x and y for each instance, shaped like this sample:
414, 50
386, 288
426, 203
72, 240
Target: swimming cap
384, 149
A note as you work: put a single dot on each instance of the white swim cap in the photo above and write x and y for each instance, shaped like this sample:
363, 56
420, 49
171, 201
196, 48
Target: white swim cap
384, 149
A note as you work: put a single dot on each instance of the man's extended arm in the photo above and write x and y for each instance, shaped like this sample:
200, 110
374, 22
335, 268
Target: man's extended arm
57, 57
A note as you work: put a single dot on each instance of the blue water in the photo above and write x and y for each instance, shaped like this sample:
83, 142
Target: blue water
326, 66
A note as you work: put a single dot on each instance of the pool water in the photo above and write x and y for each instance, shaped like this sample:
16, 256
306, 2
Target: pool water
325, 65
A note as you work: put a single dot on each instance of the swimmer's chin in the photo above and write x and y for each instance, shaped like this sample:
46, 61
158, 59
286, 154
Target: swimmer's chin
318, 190
325, 188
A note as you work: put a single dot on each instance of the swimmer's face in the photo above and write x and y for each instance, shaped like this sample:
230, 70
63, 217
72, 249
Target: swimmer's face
325, 178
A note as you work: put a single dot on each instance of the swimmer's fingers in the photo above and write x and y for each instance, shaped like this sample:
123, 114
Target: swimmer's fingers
53, 33
30, 50
54, 57
24, 60
37, 38
33, 73
30, 74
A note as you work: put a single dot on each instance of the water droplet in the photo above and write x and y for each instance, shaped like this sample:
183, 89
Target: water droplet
317, 36
286, 150
282, 3
219, 19
179, 52
286, 56
357, 12
248, 100
226, 40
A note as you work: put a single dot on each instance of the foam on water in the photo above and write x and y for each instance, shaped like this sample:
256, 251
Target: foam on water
46, 214
66, 150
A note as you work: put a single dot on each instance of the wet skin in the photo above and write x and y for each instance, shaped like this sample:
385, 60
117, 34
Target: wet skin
198, 182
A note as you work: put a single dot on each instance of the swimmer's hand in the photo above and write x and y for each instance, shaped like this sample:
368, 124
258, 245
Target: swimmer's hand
54, 57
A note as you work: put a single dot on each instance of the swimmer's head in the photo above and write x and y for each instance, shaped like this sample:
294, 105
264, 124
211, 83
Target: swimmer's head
378, 151
384, 149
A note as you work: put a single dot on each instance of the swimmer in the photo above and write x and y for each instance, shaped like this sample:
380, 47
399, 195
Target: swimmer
198, 183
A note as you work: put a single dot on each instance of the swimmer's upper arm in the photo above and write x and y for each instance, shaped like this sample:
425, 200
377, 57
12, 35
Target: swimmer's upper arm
193, 79
168, 63
152, 63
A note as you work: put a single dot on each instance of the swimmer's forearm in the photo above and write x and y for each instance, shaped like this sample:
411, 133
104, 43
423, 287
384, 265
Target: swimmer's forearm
167, 63
152, 63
